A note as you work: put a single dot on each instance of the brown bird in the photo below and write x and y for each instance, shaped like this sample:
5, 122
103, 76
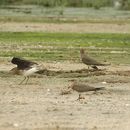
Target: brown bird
25, 67
90, 61
79, 87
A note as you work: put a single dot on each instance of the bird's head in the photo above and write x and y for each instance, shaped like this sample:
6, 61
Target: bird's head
82, 51
73, 83
15, 60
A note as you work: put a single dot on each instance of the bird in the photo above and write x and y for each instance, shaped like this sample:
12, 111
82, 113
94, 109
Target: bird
25, 68
80, 87
90, 61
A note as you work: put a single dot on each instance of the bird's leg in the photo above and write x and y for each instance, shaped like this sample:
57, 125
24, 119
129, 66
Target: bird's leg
89, 71
22, 81
88, 67
95, 67
27, 79
80, 97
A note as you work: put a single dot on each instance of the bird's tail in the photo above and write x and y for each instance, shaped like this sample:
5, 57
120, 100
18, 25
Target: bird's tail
101, 88
40, 67
105, 64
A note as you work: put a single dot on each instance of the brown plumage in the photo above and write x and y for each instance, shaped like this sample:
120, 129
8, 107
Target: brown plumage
90, 61
79, 87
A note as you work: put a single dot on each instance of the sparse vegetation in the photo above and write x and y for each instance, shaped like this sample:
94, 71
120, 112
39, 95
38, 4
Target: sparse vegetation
28, 30
65, 46
53, 3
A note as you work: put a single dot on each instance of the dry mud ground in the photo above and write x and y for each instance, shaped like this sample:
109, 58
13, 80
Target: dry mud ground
39, 105
65, 27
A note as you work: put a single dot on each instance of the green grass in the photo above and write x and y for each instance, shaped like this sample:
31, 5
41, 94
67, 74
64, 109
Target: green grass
65, 46
66, 39
53, 3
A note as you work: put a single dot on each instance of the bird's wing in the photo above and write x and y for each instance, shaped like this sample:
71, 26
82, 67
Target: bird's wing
90, 61
22, 64
83, 87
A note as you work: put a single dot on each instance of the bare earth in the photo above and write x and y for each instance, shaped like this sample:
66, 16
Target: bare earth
65, 27
39, 105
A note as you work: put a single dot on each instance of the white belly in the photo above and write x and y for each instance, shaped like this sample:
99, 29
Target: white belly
30, 71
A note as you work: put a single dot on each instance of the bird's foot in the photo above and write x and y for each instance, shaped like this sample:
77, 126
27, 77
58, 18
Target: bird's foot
80, 97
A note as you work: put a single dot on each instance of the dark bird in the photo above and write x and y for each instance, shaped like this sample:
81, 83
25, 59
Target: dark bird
25, 67
79, 87
90, 61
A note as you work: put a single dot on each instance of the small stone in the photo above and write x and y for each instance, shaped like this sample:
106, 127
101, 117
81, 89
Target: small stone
104, 82
15, 124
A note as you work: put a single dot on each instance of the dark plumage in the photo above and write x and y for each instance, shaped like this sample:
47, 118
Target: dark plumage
25, 67
22, 63
90, 61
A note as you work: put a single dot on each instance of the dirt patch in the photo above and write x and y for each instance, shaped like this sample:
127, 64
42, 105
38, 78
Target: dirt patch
42, 103
65, 27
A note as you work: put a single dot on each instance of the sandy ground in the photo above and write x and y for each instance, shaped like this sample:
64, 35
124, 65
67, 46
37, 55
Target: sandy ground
65, 27
39, 105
